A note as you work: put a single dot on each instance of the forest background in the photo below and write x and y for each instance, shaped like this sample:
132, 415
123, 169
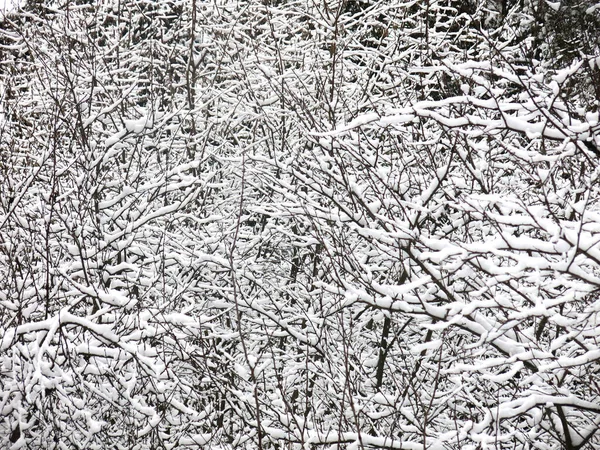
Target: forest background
291, 224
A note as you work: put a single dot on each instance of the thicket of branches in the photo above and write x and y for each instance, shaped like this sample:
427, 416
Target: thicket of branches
289, 224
